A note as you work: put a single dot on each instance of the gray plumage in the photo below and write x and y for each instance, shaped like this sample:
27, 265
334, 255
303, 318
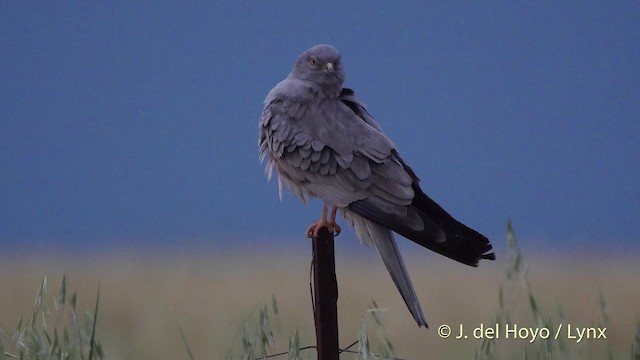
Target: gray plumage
323, 143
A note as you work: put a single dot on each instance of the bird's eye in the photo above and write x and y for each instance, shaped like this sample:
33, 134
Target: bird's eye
313, 61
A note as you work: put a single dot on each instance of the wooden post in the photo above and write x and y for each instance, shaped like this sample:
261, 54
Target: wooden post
325, 296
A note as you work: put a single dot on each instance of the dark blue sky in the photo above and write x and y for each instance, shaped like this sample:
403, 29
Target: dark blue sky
136, 122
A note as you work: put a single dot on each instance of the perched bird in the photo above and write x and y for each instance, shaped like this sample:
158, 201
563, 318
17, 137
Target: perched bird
323, 143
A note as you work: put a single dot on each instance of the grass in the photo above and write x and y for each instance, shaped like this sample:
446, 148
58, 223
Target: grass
554, 344
54, 331
256, 338
549, 342
203, 306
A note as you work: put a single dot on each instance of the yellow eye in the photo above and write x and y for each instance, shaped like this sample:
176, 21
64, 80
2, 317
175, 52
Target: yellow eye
313, 61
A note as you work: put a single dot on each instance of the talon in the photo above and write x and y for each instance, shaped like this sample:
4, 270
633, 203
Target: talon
312, 230
330, 225
337, 229
319, 225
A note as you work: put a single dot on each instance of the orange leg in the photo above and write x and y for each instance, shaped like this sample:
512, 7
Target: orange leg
332, 221
331, 225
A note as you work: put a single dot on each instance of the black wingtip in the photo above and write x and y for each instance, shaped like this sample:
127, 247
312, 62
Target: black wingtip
462, 243
491, 256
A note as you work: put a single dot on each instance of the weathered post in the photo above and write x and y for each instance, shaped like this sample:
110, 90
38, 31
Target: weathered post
325, 296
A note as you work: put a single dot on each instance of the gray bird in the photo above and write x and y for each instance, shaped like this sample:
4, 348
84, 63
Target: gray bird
323, 143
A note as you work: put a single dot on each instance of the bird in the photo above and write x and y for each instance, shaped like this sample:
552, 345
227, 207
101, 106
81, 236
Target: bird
323, 143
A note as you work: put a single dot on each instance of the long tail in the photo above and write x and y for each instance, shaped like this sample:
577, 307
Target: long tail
372, 233
440, 233
463, 244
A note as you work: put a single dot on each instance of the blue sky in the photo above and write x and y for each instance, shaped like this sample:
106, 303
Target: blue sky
135, 123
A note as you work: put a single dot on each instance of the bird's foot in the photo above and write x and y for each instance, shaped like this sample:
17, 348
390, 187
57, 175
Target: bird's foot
331, 226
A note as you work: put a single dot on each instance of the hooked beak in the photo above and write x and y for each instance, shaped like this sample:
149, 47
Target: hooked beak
329, 67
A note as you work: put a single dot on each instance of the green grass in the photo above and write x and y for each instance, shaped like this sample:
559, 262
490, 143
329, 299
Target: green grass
197, 307
54, 330
515, 286
255, 340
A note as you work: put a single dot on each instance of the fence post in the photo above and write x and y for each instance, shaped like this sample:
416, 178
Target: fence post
325, 297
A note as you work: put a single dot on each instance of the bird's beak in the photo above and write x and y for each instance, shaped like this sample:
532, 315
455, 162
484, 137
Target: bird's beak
329, 67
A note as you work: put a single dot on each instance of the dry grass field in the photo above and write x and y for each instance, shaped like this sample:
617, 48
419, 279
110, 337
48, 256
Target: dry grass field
145, 299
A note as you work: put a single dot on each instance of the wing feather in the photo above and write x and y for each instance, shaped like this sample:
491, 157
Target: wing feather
334, 150
335, 145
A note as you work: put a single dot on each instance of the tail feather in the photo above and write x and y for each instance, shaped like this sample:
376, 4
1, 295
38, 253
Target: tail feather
462, 244
440, 232
371, 233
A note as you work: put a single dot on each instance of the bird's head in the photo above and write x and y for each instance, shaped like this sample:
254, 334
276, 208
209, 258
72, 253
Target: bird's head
321, 65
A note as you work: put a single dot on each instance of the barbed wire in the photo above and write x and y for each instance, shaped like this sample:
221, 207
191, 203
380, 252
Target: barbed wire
313, 306
340, 351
